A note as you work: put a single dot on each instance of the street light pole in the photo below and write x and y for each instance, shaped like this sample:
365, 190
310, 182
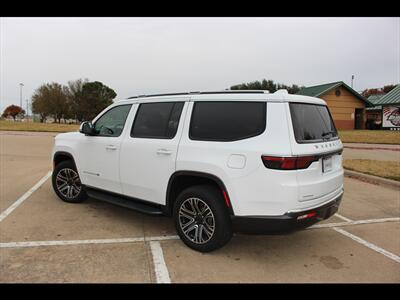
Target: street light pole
20, 94
27, 109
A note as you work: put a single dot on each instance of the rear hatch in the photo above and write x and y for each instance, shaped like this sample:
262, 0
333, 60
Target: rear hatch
315, 137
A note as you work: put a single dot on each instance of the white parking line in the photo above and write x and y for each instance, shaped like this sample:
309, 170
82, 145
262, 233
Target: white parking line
71, 242
86, 242
160, 268
343, 218
161, 238
25, 196
166, 237
371, 221
369, 245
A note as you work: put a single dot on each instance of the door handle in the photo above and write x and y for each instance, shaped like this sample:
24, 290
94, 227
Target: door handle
111, 147
164, 151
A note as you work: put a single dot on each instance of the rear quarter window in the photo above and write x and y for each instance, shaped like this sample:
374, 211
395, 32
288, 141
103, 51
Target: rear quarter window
227, 121
312, 123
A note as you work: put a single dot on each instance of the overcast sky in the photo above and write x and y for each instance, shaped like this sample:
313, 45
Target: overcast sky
152, 55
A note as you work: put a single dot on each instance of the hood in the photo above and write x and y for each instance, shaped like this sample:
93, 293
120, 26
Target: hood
67, 135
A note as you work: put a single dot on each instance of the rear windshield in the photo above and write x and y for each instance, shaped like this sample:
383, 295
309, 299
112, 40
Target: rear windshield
312, 123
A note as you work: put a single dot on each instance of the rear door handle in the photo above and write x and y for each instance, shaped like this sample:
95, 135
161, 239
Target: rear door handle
164, 151
111, 147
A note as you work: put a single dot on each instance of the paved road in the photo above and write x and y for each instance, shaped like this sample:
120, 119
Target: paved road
24, 159
371, 151
386, 155
113, 244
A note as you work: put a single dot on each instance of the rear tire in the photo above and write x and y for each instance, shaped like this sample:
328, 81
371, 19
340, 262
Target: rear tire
67, 184
201, 218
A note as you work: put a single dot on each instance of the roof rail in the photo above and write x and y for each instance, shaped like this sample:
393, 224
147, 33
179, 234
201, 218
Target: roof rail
157, 95
237, 92
204, 93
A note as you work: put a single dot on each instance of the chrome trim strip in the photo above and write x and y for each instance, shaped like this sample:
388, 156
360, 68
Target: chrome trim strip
317, 205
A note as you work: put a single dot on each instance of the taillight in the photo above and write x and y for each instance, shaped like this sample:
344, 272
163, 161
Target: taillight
288, 163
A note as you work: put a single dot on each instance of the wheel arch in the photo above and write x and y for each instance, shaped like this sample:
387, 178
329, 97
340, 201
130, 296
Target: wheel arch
181, 180
61, 156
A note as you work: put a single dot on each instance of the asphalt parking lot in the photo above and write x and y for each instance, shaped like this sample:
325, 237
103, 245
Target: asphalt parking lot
43, 239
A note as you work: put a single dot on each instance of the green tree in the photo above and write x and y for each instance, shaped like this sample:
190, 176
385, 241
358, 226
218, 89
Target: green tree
94, 97
294, 89
74, 93
378, 91
242, 86
255, 85
267, 85
40, 102
13, 111
51, 99
387, 88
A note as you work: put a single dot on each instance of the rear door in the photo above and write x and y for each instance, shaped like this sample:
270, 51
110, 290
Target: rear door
313, 133
148, 153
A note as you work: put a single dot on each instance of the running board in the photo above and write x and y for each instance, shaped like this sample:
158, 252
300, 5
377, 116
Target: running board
123, 201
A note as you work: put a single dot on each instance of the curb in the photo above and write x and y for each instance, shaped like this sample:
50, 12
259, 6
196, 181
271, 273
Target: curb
373, 179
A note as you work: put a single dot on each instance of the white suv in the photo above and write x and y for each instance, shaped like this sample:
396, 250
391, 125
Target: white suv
218, 162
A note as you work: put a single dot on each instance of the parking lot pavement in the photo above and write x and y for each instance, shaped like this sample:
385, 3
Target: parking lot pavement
385, 235
368, 201
45, 217
24, 159
306, 256
47, 240
124, 263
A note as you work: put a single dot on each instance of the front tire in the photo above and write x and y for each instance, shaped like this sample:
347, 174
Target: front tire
67, 184
201, 218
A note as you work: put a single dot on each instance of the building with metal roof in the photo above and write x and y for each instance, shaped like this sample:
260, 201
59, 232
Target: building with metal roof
373, 99
347, 106
374, 113
391, 98
390, 104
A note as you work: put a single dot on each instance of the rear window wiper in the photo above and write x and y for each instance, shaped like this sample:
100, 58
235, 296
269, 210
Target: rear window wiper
333, 133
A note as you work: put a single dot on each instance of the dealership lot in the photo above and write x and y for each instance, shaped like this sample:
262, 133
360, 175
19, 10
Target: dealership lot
43, 239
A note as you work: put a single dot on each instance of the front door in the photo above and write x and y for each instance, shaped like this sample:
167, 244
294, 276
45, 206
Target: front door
359, 116
148, 155
99, 154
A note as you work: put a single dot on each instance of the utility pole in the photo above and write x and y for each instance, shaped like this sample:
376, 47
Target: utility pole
27, 109
20, 94
352, 78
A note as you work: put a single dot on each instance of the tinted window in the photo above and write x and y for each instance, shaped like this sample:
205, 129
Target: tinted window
157, 120
112, 122
227, 121
312, 122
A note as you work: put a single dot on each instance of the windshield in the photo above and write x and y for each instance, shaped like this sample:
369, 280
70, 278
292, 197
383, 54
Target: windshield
312, 123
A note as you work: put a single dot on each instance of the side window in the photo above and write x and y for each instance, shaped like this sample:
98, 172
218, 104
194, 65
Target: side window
227, 121
112, 122
157, 120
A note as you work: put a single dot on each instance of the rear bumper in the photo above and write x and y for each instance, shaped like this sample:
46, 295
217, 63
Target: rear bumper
286, 223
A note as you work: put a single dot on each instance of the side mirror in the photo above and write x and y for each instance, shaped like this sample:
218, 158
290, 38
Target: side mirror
87, 128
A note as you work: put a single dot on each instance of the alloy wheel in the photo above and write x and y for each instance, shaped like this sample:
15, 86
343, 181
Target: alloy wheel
196, 220
68, 183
